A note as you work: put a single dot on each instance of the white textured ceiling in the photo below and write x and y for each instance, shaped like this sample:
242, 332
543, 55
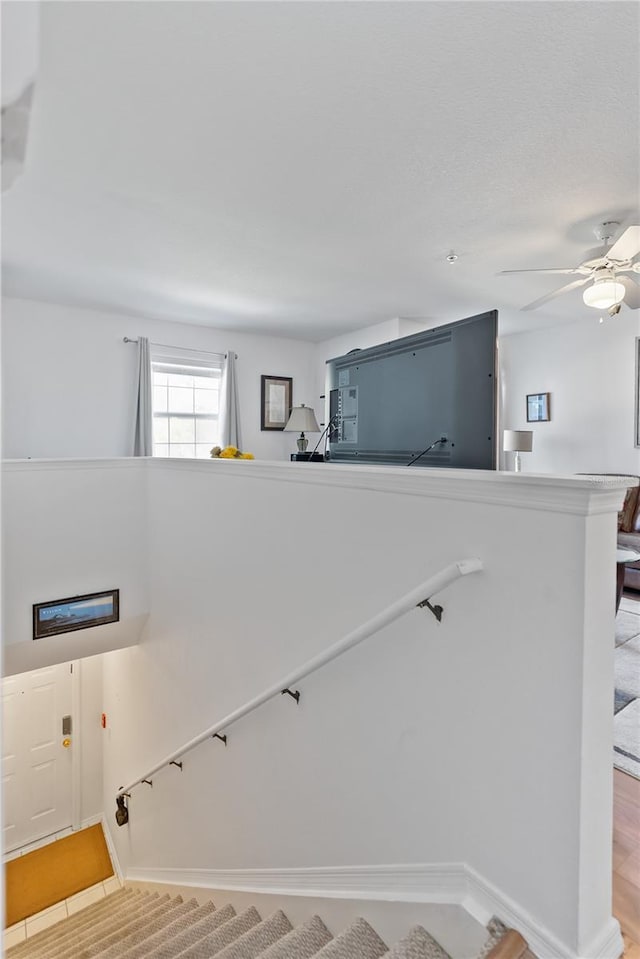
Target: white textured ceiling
303, 168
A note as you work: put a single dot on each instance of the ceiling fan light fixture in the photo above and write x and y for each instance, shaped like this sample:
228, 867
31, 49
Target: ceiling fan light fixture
604, 294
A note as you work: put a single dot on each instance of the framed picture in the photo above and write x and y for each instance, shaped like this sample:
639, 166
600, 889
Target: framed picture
637, 393
75, 612
538, 407
275, 401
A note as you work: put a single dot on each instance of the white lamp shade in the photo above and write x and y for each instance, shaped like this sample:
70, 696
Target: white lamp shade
517, 441
604, 294
302, 420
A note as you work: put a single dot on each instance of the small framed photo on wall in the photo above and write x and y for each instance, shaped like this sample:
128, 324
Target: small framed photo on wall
538, 407
75, 612
275, 401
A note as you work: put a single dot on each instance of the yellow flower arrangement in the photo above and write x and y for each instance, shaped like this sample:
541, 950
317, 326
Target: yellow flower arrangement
229, 453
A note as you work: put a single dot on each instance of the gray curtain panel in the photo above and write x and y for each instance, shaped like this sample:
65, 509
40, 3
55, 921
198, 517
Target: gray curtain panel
229, 405
142, 437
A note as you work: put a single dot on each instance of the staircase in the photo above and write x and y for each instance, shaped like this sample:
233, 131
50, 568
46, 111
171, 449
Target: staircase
135, 924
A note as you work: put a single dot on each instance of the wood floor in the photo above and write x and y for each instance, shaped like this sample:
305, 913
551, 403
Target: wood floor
626, 841
626, 859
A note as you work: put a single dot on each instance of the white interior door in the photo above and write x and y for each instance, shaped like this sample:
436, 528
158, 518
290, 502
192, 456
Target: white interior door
36, 754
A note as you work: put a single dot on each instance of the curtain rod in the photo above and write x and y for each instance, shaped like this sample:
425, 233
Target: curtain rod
169, 346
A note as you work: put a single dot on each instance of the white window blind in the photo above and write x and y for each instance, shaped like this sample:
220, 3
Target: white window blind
186, 401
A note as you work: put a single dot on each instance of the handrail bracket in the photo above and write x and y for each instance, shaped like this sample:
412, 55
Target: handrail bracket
295, 694
436, 610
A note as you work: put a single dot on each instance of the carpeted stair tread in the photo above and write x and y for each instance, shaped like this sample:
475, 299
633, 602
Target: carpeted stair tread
228, 932
88, 914
189, 937
107, 924
170, 932
159, 924
496, 931
256, 940
303, 942
104, 919
418, 944
79, 918
359, 941
130, 924
96, 945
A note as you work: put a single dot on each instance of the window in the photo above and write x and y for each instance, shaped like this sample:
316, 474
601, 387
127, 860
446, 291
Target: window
186, 401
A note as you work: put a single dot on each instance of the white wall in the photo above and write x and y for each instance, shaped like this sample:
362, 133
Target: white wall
67, 383
66, 534
589, 369
427, 744
68, 379
91, 758
484, 740
20, 35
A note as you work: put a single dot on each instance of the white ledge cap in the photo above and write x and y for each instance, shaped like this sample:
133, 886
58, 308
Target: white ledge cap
565, 493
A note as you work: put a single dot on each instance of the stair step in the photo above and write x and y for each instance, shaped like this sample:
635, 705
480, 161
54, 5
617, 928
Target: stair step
303, 942
106, 924
104, 920
418, 944
227, 933
134, 924
359, 941
78, 919
171, 932
145, 930
192, 935
256, 940
93, 945
497, 931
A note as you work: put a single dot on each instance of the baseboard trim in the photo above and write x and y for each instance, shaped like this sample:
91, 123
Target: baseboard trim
608, 943
111, 846
485, 897
442, 883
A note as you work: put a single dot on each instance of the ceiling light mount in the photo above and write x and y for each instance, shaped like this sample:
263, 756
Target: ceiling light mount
606, 231
451, 257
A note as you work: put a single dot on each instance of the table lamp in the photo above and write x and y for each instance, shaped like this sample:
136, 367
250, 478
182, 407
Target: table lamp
304, 419
517, 441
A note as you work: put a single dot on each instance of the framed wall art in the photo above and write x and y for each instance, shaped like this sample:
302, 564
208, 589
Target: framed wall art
75, 612
275, 401
538, 407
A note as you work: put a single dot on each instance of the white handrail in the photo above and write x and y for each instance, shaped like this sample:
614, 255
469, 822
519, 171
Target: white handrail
414, 598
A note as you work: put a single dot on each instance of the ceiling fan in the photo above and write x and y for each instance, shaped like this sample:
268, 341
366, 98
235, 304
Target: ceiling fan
602, 269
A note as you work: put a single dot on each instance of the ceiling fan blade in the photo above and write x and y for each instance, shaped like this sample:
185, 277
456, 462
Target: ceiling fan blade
632, 294
627, 246
551, 296
569, 270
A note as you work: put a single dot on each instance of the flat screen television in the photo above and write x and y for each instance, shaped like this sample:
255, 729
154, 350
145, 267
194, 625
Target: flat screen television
390, 402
